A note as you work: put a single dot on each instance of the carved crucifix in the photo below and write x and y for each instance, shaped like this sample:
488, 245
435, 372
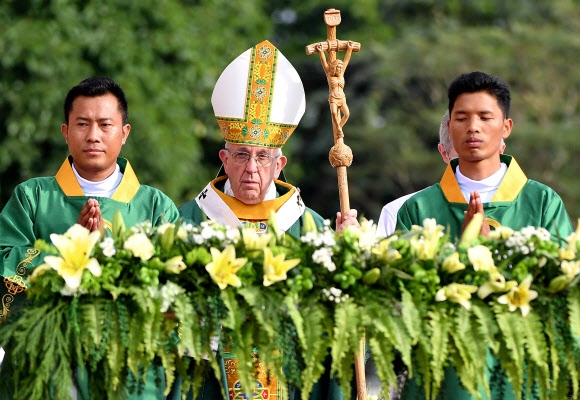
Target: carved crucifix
340, 155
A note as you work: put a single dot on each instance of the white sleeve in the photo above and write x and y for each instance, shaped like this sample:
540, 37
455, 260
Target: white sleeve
387, 221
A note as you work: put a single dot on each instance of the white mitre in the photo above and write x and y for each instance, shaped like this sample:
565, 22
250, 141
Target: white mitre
259, 98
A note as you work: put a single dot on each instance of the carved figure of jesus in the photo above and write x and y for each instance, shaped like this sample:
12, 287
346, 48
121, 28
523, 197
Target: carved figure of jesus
336, 98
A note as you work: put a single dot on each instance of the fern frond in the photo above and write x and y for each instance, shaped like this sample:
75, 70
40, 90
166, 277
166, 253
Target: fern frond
514, 340
411, 316
318, 340
345, 341
439, 325
573, 366
555, 353
383, 356
290, 303
472, 354
574, 311
537, 348
253, 296
486, 324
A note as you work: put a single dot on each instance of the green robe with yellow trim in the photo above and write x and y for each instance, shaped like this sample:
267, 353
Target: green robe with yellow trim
519, 202
45, 205
255, 215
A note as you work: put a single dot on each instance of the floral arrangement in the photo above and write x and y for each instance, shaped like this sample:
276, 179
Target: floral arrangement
158, 299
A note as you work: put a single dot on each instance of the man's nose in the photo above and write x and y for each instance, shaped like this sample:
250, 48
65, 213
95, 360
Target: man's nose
473, 125
94, 133
252, 164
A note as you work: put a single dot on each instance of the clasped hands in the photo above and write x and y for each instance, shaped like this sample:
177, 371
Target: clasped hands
91, 217
475, 206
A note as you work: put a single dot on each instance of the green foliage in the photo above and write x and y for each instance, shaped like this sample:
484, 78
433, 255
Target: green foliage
156, 303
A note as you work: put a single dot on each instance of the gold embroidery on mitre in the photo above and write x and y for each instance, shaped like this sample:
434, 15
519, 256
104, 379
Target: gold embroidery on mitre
255, 128
16, 284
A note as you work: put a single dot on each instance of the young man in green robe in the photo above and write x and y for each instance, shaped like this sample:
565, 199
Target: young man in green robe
258, 101
481, 180
90, 186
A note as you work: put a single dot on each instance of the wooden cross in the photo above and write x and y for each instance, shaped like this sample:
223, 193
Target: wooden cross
340, 155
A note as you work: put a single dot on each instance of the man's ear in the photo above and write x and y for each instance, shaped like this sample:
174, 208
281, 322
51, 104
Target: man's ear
64, 131
126, 130
443, 153
280, 163
508, 124
223, 154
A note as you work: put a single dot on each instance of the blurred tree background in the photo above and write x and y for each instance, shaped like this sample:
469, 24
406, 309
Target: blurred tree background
168, 54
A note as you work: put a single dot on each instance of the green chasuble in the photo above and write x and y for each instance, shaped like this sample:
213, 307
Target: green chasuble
213, 204
519, 202
41, 206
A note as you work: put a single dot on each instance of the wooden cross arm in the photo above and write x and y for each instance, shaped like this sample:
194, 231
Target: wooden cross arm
332, 45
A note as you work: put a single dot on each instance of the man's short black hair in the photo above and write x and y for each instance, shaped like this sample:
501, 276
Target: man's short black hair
94, 87
477, 81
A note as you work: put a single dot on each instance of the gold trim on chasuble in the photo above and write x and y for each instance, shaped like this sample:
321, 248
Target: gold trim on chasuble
127, 189
254, 216
267, 385
16, 284
510, 187
255, 128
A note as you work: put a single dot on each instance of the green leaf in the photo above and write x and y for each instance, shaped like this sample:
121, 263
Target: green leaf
439, 327
257, 302
383, 357
537, 348
345, 342
574, 311
319, 340
514, 340
290, 301
411, 316
472, 350
553, 340
486, 324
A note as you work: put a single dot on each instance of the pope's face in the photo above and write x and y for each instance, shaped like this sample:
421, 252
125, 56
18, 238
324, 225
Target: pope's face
250, 181
95, 135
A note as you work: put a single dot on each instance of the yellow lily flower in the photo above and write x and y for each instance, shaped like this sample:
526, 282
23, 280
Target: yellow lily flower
501, 233
495, 284
140, 246
452, 264
275, 267
175, 265
481, 258
384, 252
426, 243
456, 293
571, 241
253, 241
519, 297
570, 268
224, 267
566, 254
75, 248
